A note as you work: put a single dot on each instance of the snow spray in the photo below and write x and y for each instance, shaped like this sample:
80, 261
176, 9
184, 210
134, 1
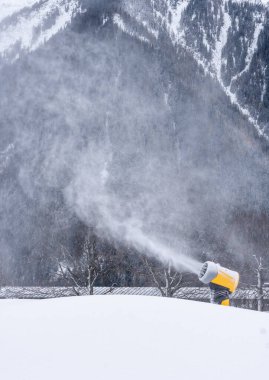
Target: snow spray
164, 253
130, 231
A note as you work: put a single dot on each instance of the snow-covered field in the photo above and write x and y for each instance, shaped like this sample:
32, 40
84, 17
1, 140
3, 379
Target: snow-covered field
130, 337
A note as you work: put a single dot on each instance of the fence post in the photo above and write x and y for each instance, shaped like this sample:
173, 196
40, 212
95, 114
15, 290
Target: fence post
259, 287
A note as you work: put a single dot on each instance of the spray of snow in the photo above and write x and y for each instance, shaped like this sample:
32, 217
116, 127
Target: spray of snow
85, 194
119, 197
157, 249
130, 231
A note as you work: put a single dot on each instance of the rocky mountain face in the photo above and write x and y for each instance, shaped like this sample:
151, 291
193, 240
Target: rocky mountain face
140, 119
228, 38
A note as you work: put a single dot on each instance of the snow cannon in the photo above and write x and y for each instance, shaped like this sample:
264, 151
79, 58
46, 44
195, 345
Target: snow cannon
222, 282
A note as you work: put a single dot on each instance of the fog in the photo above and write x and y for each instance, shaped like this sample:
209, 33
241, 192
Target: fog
129, 138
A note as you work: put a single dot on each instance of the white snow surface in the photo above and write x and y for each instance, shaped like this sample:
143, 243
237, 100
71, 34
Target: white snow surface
130, 337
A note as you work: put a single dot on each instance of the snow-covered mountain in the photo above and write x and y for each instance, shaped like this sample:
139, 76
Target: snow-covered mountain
138, 118
228, 38
27, 24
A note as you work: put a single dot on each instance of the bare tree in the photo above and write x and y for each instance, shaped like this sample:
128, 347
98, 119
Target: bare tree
167, 279
83, 271
65, 271
260, 269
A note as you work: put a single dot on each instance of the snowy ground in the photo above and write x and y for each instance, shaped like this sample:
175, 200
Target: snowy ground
130, 337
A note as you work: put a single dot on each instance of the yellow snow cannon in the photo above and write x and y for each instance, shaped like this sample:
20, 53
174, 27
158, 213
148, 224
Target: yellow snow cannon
222, 282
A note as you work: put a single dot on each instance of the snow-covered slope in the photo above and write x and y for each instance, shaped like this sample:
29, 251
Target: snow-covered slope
9, 7
226, 37
114, 110
130, 337
34, 25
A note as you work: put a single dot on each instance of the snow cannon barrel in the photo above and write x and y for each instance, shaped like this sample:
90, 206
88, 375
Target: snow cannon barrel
222, 282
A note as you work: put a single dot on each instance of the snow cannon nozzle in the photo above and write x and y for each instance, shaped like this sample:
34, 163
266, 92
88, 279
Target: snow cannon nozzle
222, 282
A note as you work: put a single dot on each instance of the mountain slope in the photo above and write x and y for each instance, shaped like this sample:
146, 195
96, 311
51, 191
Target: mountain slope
28, 25
228, 38
113, 124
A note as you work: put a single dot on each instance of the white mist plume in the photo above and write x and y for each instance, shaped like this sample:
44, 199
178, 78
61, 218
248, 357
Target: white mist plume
142, 147
130, 232
124, 218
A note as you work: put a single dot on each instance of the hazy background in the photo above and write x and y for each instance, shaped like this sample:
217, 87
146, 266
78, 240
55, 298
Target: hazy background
129, 138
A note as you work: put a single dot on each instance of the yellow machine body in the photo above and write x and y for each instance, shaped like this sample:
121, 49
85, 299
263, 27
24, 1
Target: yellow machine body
222, 282
226, 278
226, 302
